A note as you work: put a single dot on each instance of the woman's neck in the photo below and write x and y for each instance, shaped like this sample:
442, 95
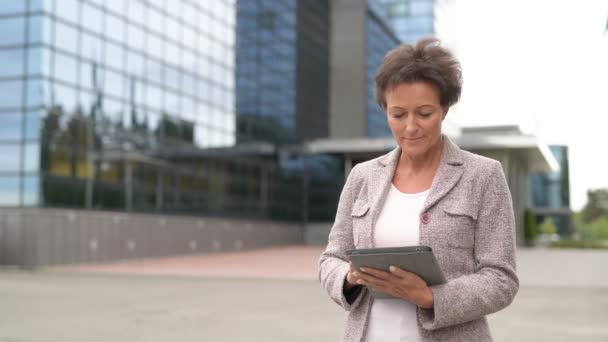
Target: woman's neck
428, 161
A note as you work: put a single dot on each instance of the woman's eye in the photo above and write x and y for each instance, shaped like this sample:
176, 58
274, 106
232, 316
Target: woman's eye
398, 115
425, 114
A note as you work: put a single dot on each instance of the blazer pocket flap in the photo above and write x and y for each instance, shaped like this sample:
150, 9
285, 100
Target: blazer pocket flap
461, 209
360, 208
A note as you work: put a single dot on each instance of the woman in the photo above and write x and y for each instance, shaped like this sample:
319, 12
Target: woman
425, 192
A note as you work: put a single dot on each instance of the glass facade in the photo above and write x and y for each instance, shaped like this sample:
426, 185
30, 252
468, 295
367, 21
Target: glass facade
158, 105
409, 19
266, 70
551, 190
380, 39
119, 104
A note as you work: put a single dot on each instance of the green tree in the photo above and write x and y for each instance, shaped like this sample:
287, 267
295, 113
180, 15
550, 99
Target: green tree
548, 226
599, 229
529, 226
597, 205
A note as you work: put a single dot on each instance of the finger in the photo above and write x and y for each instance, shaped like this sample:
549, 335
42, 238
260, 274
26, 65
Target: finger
399, 272
367, 279
377, 273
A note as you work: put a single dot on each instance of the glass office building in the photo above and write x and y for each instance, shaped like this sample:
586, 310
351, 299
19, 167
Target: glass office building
266, 64
380, 39
550, 192
110, 104
409, 19
158, 105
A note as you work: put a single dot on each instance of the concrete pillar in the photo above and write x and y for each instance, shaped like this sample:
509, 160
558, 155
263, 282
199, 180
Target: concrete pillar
348, 58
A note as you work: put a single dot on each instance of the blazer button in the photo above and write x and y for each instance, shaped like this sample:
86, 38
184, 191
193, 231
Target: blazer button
425, 218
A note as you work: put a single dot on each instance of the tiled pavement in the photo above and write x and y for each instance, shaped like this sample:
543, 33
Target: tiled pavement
269, 295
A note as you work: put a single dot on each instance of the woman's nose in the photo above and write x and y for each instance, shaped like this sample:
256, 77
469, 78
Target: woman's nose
411, 126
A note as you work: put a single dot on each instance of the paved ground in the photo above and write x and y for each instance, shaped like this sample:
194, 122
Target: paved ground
269, 295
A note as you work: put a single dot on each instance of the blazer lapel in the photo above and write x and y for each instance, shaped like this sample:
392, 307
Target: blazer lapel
379, 181
448, 174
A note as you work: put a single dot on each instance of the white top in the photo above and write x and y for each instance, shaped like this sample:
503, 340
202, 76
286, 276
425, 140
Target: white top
398, 224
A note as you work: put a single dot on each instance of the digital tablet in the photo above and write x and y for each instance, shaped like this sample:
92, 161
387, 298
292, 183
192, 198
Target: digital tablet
416, 259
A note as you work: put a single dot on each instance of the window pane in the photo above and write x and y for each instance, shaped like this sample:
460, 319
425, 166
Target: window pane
155, 46
65, 97
66, 38
9, 7
32, 125
10, 126
67, 10
136, 38
116, 6
10, 157
92, 18
9, 190
113, 84
173, 31
31, 190
153, 70
155, 20
136, 11
66, 68
115, 56
91, 47
11, 94
35, 92
41, 5
32, 157
115, 28
39, 30
12, 62
12, 31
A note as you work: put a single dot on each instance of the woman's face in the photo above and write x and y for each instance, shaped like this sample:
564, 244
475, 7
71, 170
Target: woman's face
415, 116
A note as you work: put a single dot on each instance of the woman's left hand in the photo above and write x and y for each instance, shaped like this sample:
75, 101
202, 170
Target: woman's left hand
397, 283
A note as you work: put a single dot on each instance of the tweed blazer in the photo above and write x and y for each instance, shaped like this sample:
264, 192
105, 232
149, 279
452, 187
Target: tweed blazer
467, 219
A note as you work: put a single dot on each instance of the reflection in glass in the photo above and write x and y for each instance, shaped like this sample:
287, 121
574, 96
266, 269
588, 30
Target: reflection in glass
64, 97
10, 157
136, 38
114, 56
11, 94
10, 7
155, 20
66, 68
11, 62
37, 92
9, 191
12, 31
10, 126
32, 125
116, 6
136, 12
93, 18
91, 47
113, 111
67, 10
32, 157
31, 190
115, 28
113, 84
66, 37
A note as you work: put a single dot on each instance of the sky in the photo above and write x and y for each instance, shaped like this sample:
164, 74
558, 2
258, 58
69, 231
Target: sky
541, 64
